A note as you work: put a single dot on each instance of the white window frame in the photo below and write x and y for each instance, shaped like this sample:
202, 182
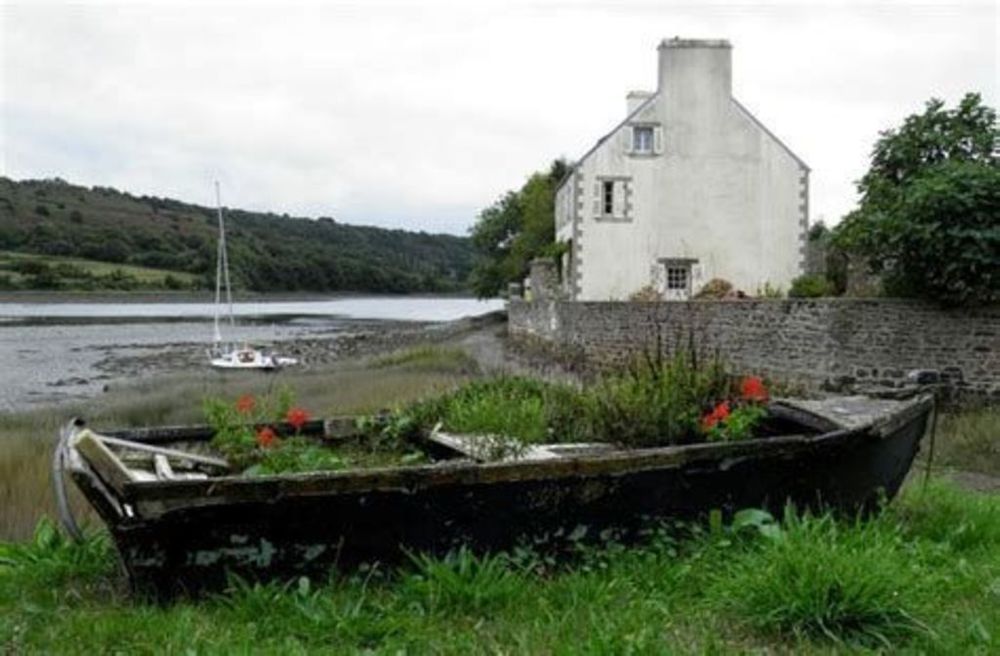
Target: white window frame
645, 145
678, 278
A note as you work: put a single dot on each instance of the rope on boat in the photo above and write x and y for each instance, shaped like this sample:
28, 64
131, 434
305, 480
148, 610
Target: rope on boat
59, 460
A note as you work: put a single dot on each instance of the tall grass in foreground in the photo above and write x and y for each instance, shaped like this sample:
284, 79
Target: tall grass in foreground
911, 579
821, 579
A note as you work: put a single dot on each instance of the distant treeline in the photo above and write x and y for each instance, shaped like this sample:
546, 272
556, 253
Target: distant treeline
267, 252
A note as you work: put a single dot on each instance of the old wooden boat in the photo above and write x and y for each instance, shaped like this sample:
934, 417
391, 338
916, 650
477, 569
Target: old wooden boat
183, 522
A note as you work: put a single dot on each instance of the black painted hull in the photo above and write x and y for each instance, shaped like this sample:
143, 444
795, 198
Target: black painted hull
283, 527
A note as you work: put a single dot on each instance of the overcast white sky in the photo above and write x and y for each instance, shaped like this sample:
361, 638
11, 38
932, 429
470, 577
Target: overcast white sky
417, 115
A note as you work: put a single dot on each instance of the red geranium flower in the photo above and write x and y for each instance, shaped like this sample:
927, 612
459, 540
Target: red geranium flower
752, 389
266, 437
297, 417
719, 413
245, 404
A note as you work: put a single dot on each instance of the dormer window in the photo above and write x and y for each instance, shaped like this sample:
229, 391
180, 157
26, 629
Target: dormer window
642, 139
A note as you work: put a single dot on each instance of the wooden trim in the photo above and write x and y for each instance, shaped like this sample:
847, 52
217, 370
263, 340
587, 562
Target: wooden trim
102, 460
159, 450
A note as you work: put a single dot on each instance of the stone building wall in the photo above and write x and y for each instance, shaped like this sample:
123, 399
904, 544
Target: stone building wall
832, 343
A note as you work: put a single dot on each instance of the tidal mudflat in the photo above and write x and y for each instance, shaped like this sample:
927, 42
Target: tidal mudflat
68, 350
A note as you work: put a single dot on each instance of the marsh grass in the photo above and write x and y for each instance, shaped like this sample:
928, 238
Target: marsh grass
899, 582
430, 358
969, 440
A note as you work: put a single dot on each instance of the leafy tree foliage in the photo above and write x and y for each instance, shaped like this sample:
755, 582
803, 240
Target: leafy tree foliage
929, 217
517, 228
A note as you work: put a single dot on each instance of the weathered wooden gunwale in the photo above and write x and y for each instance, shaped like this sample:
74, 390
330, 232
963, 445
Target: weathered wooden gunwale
418, 477
223, 489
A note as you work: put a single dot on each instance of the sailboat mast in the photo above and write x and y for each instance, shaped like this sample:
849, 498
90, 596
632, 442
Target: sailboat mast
223, 259
218, 266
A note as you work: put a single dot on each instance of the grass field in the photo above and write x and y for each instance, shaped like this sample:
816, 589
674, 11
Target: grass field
921, 577
77, 273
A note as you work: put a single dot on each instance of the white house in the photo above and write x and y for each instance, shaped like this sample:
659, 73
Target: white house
689, 187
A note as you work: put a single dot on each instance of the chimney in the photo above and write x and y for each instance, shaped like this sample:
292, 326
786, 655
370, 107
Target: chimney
636, 98
695, 75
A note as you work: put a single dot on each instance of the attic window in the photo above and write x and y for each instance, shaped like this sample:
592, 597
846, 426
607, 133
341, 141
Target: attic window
642, 139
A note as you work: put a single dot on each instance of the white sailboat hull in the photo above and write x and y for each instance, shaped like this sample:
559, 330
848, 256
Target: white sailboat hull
249, 358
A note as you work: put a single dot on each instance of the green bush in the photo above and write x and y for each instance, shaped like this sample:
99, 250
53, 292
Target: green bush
811, 286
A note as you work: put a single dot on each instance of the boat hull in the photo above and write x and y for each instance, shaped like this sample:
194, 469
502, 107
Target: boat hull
187, 540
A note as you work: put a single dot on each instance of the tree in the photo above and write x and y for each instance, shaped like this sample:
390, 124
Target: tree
514, 230
929, 215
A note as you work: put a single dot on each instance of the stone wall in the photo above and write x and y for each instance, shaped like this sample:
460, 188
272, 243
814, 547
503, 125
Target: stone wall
831, 343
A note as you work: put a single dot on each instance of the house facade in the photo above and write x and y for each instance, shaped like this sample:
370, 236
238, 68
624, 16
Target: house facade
689, 187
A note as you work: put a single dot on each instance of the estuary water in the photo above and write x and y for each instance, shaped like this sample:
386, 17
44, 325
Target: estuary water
53, 352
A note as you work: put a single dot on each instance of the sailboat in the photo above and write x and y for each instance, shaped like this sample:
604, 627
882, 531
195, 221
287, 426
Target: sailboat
231, 356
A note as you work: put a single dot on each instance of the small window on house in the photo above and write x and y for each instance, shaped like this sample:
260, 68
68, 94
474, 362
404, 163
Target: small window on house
677, 278
608, 197
642, 139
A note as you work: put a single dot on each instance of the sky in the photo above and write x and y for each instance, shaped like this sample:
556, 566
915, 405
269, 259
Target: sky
418, 115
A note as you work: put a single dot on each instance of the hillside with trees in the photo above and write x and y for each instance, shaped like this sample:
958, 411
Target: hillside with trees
70, 224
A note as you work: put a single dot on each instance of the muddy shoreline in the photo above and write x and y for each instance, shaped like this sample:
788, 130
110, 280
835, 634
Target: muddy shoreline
362, 338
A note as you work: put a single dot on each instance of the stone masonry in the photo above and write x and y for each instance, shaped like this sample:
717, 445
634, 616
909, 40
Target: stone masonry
819, 343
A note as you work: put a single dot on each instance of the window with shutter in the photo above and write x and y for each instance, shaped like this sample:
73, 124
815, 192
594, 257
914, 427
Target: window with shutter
612, 198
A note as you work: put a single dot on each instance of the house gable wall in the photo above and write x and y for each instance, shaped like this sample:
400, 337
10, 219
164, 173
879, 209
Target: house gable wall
722, 190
